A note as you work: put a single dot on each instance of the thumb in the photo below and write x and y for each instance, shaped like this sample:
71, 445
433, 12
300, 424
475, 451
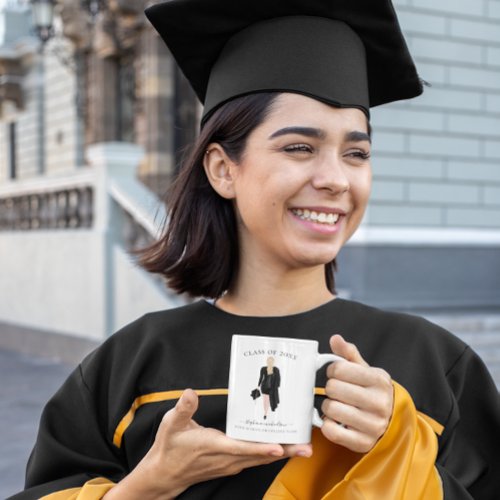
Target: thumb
181, 415
347, 350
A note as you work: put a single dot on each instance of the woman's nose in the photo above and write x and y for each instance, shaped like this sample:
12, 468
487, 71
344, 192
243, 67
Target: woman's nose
330, 175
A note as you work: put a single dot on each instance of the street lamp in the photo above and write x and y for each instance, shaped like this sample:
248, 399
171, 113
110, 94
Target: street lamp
43, 14
93, 7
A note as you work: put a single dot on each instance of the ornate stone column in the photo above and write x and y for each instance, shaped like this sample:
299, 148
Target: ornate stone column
155, 120
167, 119
131, 89
105, 52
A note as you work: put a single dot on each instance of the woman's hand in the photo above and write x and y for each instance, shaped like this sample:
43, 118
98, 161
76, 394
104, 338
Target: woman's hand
185, 453
360, 398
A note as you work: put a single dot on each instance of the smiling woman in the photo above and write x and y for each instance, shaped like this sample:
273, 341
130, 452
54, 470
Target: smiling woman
205, 193
277, 182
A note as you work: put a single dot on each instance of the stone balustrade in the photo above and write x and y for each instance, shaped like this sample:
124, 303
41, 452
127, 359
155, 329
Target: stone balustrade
104, 197
59, 209
65, 208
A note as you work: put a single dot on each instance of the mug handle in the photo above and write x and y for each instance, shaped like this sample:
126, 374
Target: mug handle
321, 360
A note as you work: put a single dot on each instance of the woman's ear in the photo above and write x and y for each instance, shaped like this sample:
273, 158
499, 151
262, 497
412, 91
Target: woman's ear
220, 170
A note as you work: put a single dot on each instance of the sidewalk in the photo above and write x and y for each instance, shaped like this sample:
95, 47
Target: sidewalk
27, 382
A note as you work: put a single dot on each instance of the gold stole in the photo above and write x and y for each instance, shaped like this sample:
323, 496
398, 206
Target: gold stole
400, 466
94, 489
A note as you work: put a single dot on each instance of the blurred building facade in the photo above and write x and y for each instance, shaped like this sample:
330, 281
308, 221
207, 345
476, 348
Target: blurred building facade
430, 238
98, 80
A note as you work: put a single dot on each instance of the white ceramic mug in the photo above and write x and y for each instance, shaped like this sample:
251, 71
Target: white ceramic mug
271, 389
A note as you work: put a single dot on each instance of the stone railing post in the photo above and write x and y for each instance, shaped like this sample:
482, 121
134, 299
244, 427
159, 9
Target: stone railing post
111, 160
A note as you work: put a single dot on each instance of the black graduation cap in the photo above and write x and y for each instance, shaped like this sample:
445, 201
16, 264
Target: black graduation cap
349, 53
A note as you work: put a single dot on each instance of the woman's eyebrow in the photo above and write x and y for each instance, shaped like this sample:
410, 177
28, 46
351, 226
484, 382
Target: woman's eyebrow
307, 131
357, 136
317, 133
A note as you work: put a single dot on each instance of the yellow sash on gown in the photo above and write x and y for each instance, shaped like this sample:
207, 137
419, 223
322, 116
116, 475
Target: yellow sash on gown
401, 466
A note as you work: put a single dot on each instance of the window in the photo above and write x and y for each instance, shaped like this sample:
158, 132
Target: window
12, 149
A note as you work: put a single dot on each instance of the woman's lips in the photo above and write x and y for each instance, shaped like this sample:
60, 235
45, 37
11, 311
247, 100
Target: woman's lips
320, 215
320, 220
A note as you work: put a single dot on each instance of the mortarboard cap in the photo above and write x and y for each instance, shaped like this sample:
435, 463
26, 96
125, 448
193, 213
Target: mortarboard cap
349, 53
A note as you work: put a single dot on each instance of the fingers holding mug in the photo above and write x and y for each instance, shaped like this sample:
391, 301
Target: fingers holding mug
359, 397
348, 437
351, 427
346, 350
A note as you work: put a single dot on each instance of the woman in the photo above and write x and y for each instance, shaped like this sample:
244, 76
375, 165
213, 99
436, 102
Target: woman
269, 382
276, 184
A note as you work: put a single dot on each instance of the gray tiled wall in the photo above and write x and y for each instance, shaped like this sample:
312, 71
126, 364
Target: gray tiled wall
437, 157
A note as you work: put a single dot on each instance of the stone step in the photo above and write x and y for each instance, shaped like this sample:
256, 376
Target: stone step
485, 340
467, 323
480, 331
495, 373
486, 344
490, 357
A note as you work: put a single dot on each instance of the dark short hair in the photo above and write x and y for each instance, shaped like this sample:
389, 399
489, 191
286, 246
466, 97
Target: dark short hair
198, 253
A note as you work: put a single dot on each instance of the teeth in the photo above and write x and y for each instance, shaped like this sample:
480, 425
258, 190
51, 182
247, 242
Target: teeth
321, 217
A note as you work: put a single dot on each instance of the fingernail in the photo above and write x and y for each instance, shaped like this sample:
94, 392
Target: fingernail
276, 453
303, 453
185, 400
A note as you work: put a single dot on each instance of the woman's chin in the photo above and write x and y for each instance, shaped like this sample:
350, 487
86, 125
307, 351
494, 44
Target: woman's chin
315, 253
309, 260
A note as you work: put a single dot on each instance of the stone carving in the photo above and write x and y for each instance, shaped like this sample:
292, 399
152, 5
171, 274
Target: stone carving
11, 82
105, 40
115, 28
76, 23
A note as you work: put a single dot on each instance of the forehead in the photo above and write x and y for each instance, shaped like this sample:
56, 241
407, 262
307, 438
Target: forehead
296, 109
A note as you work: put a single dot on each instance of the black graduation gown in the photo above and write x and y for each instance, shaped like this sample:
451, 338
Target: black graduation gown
83, 433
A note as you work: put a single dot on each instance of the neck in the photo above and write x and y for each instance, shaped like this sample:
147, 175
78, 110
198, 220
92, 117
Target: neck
260, 292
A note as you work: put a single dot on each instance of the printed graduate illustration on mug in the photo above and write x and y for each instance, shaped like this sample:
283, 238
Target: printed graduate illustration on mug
271, 388
269, 382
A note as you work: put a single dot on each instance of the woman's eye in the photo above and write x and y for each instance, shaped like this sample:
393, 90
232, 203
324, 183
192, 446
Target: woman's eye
359, 154
300, 148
